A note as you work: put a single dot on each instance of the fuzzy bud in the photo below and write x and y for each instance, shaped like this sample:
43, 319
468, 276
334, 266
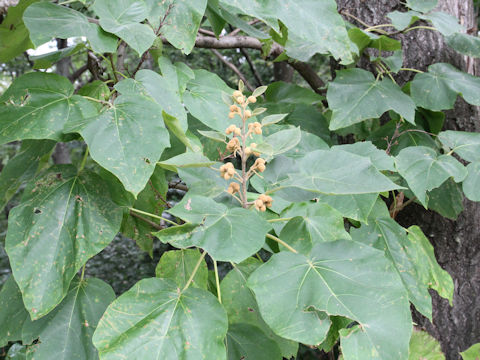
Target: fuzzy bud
237, 93
252, 99
233, 188
231, 115
233, 145
234, 108
227, 171
248, 114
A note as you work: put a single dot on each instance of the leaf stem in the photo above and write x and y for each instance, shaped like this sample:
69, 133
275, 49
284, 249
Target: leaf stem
410, 69
153, 216
420, 27
84, 160
279, 220
282, 243
194, 272
217, 281
103, 102
83, 272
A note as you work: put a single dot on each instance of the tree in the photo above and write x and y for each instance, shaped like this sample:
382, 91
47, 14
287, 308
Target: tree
309, 198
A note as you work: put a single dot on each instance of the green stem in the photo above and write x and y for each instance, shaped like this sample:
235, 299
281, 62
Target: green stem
281, 242
103, 102
84, 160
420, 27
279, 220
217, 282
195, 269
153, 216
83, 273
410, 69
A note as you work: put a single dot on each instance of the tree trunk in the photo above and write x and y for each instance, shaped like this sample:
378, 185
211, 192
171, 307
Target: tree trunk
456, 243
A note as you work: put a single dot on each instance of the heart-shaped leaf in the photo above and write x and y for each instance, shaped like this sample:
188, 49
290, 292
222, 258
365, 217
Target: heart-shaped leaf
155, 320
64, 218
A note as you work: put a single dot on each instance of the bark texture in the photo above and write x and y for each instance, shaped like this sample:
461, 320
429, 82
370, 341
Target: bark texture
456, 243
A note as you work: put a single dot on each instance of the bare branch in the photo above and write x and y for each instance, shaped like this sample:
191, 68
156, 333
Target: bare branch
256, 74
233, 68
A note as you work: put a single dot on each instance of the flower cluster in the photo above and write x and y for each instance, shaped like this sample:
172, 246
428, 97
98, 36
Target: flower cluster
236, 145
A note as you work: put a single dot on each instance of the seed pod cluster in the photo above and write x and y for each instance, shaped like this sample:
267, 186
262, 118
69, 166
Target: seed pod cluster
227, 171
263, 202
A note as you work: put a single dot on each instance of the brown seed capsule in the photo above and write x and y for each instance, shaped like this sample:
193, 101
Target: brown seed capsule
233, 188
252, 99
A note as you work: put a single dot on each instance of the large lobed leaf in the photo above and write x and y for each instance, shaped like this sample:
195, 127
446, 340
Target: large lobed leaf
155, 320
38, 105
226, 234
45, 21
66, 333
295, 293
64, 218
355, 95
114, 139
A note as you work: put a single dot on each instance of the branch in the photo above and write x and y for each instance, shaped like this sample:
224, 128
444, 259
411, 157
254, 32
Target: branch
310, 76
256, 74
78, 73
233, 68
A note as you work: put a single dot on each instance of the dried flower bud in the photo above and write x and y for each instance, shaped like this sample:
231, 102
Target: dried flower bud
237, 131
233, 145
233, 188
230, 129
234, 108
231, 115
248, 114
259, 204
227, 171
237, 93
252, 99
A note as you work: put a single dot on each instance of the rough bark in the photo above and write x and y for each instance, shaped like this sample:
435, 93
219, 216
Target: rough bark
456, 243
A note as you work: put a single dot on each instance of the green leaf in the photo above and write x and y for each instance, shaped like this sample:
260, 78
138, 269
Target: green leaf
154, 320
226, 234
47, 60
356, 207
355, 96
424, 170
471, 185
64, 23
311, 224
447, 199
438, 89
385, 234
22, 167
214, 135
203, 100
241, 306
12, 312
336, 172
464, 144
425, 262
379, 158
179, 265
123, 18
472, 353
465, 44
203, 181
321, 29
401, 20
214, 18
425, 347
66, 333
127, 139
364, 39
152, 200
273, 119
64, 218
245, 341
163, 90
308, 143
338, 323
291, 94
186, 160
280, 142
422, 5
295, 292
446, 24
38, 105
14, 36
182, 20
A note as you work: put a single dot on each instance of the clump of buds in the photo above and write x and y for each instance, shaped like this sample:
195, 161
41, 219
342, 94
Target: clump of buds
263, 202
249, 150
255, 127
233, 146
233, 188
234, 109
227, 171
259, 165
232, 129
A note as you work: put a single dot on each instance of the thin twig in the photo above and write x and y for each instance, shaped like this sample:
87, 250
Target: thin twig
254, 70
149, 222
233, 68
